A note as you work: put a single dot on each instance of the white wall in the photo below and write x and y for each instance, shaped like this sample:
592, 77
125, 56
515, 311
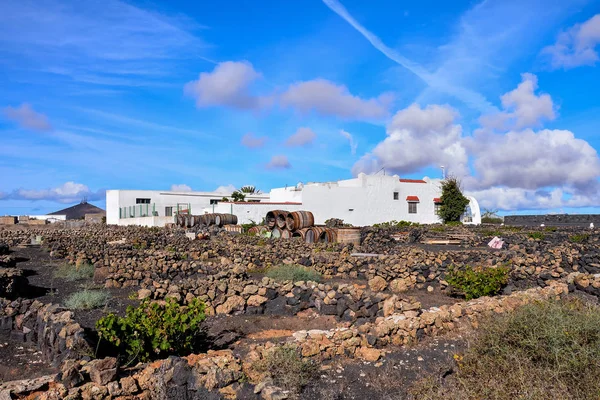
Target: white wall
159, 201
147, 221
50, 218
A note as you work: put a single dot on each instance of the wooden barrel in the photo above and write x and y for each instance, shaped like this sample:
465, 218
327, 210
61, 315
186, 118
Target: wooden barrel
225, 219
327, 236
349, 235
276, 232
280, 221
271, 218
180, 221
259, 230
209, 219
285, 234
314, 233
299, 219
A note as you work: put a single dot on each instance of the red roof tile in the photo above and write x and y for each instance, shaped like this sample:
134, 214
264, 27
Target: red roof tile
412, 198
412, 180
437, 200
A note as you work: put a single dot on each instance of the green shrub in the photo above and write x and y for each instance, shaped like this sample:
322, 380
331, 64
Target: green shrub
71, 272
395, 224
87, 299
544, 350
476, 282
491, 220
550, 229
285, 365
579, 238
154, 330
295, 273
453, 223
491, 233
537, 235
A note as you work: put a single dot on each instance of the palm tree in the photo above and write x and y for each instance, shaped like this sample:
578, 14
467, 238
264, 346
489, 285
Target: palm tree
249, 189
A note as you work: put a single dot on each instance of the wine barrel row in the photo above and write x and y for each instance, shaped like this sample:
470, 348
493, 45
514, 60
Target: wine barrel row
190, 221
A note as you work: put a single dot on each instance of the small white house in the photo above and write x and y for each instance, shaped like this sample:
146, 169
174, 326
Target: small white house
362, 201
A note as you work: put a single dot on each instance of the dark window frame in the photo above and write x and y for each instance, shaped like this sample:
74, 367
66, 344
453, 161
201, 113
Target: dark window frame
141, 200
412, 207
396, 195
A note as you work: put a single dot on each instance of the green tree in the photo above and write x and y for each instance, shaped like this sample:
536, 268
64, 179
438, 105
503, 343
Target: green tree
238, 196
454, 202
249, 189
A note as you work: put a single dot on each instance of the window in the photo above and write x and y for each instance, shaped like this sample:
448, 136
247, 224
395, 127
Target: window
396, 196
168, 211
214, 201
436, 208
412, 207
142, 201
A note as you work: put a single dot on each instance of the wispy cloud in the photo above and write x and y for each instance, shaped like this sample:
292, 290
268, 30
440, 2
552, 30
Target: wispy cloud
469, 97
26, 117
180, 188
303, 137
103, 43
279, 162
252, 141
122, 119
351, 140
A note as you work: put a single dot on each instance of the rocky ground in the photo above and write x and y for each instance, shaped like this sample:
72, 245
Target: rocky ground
373, 324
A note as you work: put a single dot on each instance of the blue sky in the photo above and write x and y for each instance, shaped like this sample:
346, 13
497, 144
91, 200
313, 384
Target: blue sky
147, 95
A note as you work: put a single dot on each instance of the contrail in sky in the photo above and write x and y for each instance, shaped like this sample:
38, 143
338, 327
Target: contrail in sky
469, 97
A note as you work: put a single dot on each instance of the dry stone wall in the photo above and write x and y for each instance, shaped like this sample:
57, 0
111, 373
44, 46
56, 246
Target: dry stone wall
49, 326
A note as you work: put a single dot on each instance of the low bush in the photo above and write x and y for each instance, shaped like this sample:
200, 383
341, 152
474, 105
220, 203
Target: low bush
453, 223
72, 272
537, 235
395, 224
87, 299
154, 330
491, 220
544, 350
579, 238
295, 273
491, 233
477, 282
550, 229
285, 365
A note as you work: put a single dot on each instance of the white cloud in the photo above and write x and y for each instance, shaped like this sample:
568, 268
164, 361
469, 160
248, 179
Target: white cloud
26, 117
327, 98
532, 160
252, 142
350, 138
577, 45
302, 137
69, 192
418, 138
279, 162
227, 85
228, 189
522, 107
180, 188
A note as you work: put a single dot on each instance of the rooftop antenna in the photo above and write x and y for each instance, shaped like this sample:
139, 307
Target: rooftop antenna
443, 172
382, 169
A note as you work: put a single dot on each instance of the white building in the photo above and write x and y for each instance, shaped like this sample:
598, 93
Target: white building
362, 201
156, 207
